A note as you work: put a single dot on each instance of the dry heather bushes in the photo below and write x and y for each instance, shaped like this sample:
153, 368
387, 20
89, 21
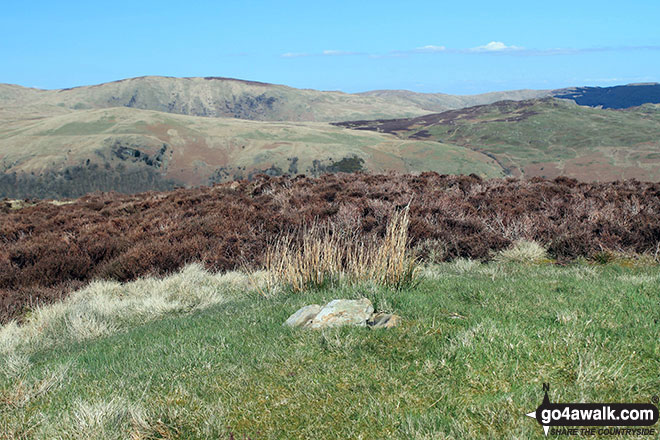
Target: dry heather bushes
47, 250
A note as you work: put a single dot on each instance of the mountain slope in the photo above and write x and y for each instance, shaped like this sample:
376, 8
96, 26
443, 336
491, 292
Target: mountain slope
213, 97
547, 137
131, 150
226, 97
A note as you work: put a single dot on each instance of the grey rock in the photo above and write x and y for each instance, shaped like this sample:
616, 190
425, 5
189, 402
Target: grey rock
343, 312
303, 316
384, 320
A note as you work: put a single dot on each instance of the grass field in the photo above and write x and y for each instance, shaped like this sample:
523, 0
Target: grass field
205, 356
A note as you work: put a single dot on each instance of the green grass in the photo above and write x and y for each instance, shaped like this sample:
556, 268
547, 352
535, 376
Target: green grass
82, 128
476, 344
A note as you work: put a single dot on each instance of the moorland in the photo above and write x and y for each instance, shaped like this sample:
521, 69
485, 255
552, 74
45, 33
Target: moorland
516, 235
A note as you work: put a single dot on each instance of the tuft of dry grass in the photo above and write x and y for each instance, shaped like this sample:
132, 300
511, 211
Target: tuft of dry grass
523, 251
326, 255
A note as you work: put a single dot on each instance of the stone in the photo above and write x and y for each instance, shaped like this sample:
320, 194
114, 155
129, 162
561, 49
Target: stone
384, 320
303, 317
343, 312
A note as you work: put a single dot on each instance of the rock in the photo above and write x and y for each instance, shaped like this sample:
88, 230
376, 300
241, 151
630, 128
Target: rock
343, 312
303, 316
383, 320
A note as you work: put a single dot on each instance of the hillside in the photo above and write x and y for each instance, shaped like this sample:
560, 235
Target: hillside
227, 97
545, 138
439, 102
211, 97
130, 150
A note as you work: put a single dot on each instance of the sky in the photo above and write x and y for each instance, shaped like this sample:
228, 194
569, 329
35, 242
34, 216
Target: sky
458, 47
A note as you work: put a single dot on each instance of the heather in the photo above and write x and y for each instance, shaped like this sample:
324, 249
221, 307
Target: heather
49, 249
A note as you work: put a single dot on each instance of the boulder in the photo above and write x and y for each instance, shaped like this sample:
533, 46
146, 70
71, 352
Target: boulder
303, 316
343, 312
383, 320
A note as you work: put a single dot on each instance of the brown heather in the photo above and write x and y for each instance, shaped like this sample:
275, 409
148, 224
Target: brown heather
46, 250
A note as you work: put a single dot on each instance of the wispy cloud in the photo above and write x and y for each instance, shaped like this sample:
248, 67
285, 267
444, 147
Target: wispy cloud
430, 49
495, 46
339, 53
295, 55
492, 48
325, 53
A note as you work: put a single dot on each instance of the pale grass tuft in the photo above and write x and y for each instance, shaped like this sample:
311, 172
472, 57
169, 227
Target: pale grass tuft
16, 364
327, 255
109, 420
104, 307
463, 265
523, 251
566, 316
24, 391
639, 279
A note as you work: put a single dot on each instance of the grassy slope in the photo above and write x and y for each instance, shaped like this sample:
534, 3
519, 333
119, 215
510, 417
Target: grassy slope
199, 149
551, 137
468, 362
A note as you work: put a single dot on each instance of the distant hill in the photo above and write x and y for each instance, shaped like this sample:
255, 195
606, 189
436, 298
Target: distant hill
226, 97
545, 137
439, 102
619, 97
150, 133
234, 98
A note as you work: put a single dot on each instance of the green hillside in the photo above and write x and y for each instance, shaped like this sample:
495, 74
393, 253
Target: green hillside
547, 137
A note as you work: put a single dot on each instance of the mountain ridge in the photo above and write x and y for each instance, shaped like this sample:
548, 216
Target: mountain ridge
215, 96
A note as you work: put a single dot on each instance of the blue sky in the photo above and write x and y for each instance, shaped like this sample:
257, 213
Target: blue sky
427, 46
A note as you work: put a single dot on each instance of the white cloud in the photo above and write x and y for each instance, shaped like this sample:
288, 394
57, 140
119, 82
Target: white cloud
495, 46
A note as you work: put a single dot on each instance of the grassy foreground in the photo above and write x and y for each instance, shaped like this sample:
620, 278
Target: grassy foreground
468, 362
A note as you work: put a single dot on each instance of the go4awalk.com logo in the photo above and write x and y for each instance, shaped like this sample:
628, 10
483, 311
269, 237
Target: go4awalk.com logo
605, 419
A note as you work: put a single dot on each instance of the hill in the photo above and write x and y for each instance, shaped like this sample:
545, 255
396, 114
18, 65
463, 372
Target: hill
131, 150
545, 137
228, 97
439, 102
211, 97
